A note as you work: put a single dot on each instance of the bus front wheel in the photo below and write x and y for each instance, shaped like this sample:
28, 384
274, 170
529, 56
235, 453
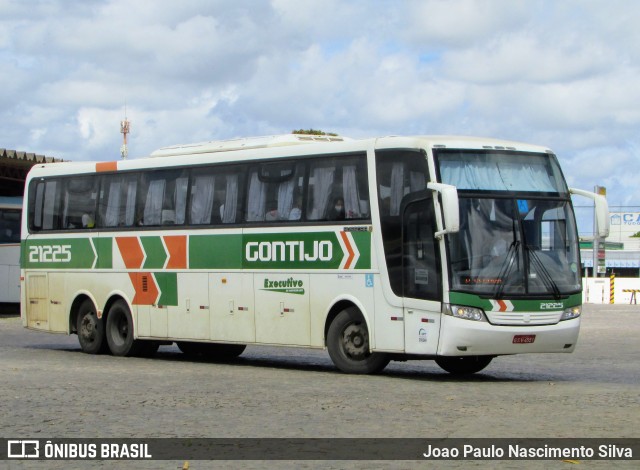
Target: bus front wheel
90, 329
348, 345
119, 331
464, 364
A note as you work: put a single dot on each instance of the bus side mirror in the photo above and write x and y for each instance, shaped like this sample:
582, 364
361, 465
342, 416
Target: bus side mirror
450, 207
602, 210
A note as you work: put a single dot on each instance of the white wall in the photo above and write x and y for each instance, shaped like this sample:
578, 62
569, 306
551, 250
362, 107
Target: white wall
597, 291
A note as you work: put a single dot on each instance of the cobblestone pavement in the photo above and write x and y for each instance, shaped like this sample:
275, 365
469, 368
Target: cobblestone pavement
50, 389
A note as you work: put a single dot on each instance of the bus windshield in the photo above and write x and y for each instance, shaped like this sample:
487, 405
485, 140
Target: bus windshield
498, 170
517, 230
511, 247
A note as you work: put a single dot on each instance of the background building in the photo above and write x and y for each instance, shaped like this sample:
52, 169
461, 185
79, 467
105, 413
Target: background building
14, 166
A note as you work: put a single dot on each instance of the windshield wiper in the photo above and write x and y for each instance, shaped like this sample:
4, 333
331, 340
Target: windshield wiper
546, 277
506, 267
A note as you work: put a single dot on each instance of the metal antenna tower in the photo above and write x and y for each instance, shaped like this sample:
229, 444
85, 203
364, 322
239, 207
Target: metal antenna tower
125, 126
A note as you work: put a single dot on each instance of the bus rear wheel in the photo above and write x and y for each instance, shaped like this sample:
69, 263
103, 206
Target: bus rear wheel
464, 364
348, 345
90, 329
119, 331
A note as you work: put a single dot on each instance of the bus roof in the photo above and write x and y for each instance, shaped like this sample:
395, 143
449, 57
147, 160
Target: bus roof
244, 144
288, 145
436, 141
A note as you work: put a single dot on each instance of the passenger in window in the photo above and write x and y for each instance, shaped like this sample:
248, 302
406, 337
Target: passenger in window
87, 221
296, 210
271, 214
337, 210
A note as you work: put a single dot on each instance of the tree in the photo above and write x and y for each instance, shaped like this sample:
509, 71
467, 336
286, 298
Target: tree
312, 132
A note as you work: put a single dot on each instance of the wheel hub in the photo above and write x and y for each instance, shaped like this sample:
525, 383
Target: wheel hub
354, 341
88, 327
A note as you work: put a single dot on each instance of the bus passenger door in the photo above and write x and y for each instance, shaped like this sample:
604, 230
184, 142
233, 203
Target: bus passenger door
422, 285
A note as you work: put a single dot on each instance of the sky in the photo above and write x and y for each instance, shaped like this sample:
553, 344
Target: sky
564, 74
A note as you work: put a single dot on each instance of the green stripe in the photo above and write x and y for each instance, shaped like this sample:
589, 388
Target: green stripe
460, 298
363, 242
168, 284
290, 251
215, 251
67, 253
312, 250
104, 248
156, 254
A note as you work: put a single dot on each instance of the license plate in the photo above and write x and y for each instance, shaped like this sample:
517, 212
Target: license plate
524, 339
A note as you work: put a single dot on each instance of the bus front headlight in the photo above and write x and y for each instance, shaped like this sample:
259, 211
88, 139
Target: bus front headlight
464, 312
571, 312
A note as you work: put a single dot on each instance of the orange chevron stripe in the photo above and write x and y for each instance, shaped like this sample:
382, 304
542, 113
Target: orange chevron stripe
131, 251
352, 254
146, 289
177, 248
107, 166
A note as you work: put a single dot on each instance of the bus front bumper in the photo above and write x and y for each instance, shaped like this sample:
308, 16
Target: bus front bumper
459, 337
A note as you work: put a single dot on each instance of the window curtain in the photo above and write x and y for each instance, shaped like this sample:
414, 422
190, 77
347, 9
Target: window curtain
531, 177
397, 188
182, 185
257, 199
130, 214
112, 216
322, 186
153, 204
231, 200
506, 176
417, 181
202, 200
350, 188
285, 196
65, 210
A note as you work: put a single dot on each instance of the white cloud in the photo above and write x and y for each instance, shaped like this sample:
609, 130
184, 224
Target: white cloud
562, 74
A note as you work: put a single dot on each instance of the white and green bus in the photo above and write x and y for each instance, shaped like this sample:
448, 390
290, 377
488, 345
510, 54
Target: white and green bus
447, 248
10, 216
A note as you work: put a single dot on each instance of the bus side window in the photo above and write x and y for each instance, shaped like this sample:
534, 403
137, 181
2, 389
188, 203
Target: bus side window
202, 192
79, 202
215, 195
10, 225
165, 200
321, 178
118, 200
275, 192
231, 199
420, 258
338, 189
44, 205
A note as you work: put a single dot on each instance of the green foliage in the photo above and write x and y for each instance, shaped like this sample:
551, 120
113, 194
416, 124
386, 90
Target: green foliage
636, 235
311, 132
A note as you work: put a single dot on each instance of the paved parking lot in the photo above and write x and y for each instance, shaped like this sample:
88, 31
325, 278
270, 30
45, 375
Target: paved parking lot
51, 389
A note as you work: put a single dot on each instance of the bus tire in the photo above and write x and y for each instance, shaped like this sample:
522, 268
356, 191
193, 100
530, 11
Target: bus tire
119, 331
348, 345
90, 329
463, 364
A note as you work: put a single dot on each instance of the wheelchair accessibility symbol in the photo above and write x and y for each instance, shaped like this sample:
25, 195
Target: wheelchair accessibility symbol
368, 280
